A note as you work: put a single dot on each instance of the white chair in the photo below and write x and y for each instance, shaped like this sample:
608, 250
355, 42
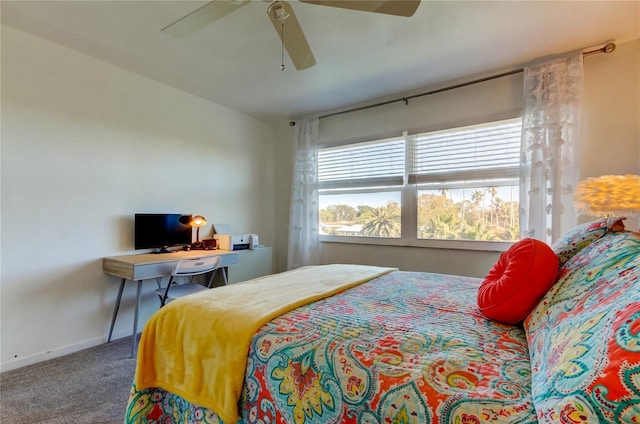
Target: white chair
188, 268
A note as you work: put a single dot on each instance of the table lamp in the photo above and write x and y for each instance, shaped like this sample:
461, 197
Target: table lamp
198, 221
609, 195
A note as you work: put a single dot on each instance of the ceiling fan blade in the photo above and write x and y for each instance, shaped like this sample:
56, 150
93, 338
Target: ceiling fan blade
288, 28
202, 17
390, 7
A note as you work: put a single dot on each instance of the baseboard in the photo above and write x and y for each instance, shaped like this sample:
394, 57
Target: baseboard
57, 352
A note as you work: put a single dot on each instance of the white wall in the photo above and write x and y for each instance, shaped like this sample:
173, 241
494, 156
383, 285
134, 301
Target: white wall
612, 116
85, 145
611, 144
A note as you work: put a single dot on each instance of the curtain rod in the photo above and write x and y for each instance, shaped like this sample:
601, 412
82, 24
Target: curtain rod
607, 48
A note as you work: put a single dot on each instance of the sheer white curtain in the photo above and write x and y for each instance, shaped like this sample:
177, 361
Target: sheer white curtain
550, 147
303, 216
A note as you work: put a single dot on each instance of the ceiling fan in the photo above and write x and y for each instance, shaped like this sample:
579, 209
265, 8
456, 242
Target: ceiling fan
284, 20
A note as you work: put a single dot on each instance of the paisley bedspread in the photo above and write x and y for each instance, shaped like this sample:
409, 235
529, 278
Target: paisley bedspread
406, 347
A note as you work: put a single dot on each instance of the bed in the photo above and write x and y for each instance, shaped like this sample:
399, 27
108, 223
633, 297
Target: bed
408, 347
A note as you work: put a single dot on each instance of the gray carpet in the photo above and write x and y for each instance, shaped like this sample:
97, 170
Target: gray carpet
90, 386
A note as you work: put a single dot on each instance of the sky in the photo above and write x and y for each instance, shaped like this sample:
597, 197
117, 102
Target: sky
381, 199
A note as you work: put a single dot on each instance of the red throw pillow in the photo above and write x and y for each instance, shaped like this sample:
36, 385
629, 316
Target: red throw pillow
517, 282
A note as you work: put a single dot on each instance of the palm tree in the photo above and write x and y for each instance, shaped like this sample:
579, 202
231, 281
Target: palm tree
462, 209
478, 232
510, 233
442, 227
477, 197
492, 191
383, 221
512, 209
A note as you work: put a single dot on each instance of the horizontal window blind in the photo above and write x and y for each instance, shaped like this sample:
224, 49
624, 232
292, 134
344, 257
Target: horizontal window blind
370, 164
473, 153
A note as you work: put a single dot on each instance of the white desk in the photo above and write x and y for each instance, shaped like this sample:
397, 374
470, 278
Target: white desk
255, 263
154, 265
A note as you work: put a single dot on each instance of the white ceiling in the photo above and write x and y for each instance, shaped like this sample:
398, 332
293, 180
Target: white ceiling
360, 55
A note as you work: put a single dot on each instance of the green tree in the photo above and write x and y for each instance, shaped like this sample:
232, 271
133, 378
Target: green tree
364, 209
443, 227
438, 217
383, 221
478, 232
477, 197
326, 216
509, 233
492, 192
342, 213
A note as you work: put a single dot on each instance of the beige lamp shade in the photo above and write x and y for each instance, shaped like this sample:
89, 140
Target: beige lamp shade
198, 221
609, 195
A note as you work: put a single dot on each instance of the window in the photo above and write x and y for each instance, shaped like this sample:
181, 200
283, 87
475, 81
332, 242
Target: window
455, 184
361, 188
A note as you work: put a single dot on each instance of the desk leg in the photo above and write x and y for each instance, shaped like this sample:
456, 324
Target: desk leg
115, 309
135, 319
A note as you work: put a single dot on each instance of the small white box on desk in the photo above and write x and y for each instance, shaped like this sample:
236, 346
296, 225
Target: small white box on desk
233, 241
254, 241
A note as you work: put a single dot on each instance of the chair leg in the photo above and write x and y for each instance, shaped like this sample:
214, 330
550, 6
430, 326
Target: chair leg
163, 299
212, 278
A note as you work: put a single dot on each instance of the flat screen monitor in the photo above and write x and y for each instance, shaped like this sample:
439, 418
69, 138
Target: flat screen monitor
161, 230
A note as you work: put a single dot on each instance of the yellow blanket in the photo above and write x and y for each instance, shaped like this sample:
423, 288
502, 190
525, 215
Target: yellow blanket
197, 346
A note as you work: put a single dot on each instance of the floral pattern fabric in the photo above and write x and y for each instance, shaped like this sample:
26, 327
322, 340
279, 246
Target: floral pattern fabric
584, 337
583, 235
403, 348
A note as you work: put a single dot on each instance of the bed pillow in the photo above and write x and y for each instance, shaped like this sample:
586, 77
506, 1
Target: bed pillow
583, 336
583, 235
518, 281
